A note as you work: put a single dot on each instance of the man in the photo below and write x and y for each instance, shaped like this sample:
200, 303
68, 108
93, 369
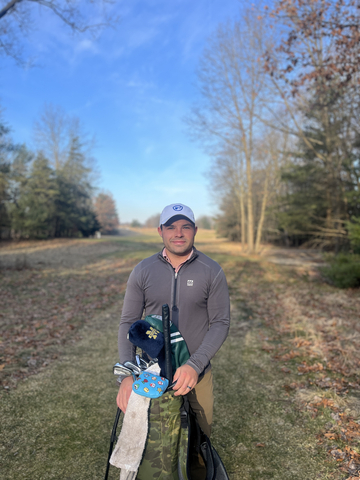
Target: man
194, 286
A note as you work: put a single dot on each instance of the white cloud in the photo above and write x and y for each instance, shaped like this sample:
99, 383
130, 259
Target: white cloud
86, 45
140, 84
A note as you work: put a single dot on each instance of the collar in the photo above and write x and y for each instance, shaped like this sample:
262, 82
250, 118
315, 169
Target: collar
163, 253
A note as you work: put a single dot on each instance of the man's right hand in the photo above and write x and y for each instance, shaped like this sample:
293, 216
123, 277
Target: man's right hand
124, 393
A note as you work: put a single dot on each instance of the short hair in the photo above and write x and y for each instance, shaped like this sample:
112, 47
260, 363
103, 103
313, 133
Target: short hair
175, 218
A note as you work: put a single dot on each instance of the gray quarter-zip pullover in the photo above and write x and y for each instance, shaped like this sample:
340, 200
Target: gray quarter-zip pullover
198, 298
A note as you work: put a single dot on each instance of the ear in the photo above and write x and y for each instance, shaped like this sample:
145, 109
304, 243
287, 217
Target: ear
196, 229
160, 231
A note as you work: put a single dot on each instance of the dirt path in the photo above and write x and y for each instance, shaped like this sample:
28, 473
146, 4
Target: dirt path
296, 257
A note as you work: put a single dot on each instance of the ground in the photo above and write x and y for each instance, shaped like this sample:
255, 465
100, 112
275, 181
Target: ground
287, 378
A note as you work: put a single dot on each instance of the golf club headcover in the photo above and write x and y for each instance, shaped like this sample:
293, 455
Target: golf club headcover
180, 353
144, 336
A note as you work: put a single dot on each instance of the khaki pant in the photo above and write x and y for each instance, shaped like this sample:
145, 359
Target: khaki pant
201, 399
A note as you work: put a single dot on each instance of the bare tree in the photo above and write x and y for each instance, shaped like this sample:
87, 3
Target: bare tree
55, 133
233, 86
272, 152
106, 213
153, 221
52, 134
17, 19
228, 181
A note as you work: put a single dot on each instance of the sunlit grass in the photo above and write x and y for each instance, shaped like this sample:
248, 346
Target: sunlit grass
57, 423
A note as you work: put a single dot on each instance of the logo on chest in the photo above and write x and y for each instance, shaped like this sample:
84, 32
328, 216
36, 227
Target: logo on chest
190, 283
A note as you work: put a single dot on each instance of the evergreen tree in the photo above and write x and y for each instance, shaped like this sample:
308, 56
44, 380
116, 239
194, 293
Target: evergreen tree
75, 215
7, 152
34, 217
323, 179
47, 198
4, 179
228, 223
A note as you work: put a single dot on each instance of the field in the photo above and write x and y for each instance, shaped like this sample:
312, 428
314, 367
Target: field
287, 378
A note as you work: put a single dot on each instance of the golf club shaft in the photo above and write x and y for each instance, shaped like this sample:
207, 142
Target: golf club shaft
167, 341
112, 441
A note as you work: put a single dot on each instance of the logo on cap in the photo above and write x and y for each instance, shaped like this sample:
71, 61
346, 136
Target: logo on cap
178, 208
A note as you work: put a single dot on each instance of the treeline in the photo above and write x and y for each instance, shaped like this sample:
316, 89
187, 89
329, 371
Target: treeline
279, 112
204, 221
48, 193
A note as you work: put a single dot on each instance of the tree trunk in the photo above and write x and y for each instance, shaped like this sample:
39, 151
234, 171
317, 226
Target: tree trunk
243, 220
250, 215
262, 213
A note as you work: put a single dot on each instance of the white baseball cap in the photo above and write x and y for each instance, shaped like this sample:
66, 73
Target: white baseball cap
176, 209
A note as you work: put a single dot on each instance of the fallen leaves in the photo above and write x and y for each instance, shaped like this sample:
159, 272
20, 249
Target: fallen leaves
304, 368
285, 369
300, 342
42, 310
288, 356
315, 333
293, 386
268, 348
350, 459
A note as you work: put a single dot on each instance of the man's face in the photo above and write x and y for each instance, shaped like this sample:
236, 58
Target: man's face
178, 237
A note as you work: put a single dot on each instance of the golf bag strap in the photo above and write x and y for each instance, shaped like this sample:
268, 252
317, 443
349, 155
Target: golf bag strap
198, 441
183, 416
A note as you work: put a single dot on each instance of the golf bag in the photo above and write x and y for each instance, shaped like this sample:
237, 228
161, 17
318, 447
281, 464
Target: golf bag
176, 448
162, 449
195, 445
175, 444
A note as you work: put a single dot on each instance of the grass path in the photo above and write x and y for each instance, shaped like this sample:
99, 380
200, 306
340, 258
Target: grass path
57, 424
258, 432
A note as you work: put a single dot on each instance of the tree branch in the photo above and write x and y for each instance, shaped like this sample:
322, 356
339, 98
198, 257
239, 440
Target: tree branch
9, 7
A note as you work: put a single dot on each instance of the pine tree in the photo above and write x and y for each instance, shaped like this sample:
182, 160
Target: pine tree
323, 179
35, 215
75, 215
5, 148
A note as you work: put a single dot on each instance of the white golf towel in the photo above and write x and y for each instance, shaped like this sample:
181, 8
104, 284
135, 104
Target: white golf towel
129, 448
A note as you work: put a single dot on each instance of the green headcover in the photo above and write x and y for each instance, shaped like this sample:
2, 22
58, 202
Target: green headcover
179, 350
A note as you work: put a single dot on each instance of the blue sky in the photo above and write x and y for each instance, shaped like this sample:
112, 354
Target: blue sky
131, 88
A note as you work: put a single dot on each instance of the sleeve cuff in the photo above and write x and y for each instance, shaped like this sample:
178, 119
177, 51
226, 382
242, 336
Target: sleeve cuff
195, 367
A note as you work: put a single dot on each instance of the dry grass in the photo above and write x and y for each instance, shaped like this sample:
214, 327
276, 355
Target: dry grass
287, 385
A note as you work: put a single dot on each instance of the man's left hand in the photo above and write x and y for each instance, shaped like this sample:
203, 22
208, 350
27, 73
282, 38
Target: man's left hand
186, 378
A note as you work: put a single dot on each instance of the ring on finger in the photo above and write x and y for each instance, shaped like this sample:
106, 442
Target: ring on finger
189, 387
